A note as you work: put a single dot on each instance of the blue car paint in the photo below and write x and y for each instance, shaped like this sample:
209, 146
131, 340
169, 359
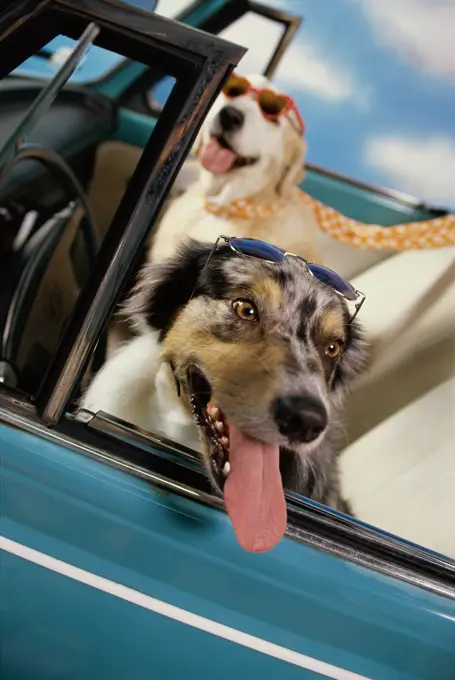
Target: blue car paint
90, 515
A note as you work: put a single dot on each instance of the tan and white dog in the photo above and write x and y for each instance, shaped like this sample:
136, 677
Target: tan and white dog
251, 162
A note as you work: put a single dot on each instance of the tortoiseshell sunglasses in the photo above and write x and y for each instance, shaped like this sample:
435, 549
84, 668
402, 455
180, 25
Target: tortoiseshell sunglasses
272, 104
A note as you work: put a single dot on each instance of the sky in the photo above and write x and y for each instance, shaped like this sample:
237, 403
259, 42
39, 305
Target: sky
375, 83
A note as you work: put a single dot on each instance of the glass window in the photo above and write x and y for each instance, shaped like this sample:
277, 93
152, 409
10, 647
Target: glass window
168, 8
160, 92
96, 64
259, 51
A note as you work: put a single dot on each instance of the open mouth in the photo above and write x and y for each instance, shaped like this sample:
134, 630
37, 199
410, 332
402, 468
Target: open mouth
218, 156
211, 421
246, 470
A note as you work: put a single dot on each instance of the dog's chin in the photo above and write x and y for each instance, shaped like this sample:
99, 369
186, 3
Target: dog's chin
305, 450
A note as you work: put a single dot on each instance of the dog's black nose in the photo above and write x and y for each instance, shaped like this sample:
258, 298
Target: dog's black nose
301, 419
231, 119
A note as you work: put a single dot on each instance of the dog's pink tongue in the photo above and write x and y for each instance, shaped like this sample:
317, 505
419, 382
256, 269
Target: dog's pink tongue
253, 492
216, 158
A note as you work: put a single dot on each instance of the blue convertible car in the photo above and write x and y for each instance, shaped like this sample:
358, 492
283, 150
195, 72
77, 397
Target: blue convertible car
117, 559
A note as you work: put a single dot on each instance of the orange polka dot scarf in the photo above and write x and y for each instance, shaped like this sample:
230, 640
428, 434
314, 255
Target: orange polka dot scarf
435, 233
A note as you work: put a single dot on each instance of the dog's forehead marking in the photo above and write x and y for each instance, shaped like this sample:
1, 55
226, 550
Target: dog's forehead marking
261, 82
241, 270
299, 297
269, 288
309, 305
251, 274
332, 323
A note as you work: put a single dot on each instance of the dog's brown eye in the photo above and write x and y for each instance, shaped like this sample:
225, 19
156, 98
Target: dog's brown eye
332, 349
245, 310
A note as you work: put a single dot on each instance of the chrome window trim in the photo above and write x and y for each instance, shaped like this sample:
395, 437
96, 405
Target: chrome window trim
385, 192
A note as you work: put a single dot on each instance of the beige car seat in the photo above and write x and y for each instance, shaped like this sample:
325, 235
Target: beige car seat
409, 317
400, 476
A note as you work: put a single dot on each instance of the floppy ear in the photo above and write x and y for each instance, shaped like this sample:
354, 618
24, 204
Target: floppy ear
163, 289
295, 151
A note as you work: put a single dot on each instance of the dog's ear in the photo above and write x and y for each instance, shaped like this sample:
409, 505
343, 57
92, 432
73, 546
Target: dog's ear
294, 154
163, 289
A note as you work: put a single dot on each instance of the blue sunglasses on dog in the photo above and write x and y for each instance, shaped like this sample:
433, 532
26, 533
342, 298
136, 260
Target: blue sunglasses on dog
260, 250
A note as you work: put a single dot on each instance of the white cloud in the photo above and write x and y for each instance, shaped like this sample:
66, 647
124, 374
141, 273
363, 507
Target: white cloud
423, 31
300, 69
423, 168
303, 69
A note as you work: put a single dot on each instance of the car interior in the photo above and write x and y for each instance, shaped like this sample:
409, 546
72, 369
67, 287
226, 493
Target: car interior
398, 465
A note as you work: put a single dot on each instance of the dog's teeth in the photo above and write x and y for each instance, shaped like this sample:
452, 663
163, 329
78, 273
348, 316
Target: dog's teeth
226, 468
224, 441
214, 412
219, 426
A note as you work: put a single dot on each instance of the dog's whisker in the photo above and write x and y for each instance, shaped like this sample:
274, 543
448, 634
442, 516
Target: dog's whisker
277, 327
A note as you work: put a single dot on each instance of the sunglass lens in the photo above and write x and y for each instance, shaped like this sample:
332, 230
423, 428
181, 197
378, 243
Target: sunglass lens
334, 280
271, 103
236, 86
259, 249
